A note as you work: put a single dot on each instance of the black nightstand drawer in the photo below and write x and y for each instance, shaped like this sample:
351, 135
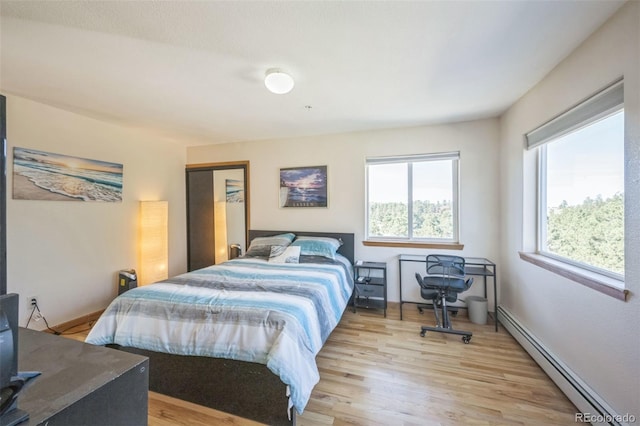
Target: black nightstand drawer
370, 286
369, 290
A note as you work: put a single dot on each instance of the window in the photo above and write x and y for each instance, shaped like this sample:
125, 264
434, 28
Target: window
581, 185
413, 198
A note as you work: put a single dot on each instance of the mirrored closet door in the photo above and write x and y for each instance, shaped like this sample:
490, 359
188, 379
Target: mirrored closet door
217, 212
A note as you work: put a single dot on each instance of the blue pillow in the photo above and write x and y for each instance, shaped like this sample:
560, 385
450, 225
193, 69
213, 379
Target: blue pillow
317, 246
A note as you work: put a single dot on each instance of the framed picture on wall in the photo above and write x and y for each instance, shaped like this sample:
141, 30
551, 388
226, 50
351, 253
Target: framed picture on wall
303, 186
40, 175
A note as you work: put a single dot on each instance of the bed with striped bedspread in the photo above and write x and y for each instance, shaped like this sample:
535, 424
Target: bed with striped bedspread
245, 309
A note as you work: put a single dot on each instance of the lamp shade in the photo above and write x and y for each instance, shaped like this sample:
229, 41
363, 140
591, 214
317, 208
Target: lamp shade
154, 245
278, 81
220, 229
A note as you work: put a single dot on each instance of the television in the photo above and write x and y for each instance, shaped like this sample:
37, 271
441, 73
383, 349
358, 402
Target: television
10, 382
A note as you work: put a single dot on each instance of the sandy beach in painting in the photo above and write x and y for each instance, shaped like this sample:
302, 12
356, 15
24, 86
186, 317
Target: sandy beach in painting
24, 189
40, 175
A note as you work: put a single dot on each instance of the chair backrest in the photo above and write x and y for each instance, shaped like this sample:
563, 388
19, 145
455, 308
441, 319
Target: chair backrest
445, 265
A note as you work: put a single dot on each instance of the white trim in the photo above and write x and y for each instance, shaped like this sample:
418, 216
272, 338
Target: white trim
541, 213
455, 202
409, 160
577, 390
438, 156
410, 199
594, 108
542, 247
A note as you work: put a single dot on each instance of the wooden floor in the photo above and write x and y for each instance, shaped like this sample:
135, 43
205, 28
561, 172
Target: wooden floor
379, 371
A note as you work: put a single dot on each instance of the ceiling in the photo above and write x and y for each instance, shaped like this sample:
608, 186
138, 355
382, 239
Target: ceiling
194, 70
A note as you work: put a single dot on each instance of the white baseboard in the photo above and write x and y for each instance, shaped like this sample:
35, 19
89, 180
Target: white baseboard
591, 408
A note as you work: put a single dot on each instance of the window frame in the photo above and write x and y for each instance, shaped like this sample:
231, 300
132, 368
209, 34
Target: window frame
452, 242
541, 239
603, 104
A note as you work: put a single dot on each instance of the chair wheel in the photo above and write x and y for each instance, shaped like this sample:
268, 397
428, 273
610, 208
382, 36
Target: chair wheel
422, 333
454, 313
466, 339
420, 310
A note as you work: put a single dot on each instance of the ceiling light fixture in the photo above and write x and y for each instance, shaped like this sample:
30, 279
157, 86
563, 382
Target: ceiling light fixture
278, 81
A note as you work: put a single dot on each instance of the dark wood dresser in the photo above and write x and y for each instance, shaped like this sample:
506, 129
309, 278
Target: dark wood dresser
81, 384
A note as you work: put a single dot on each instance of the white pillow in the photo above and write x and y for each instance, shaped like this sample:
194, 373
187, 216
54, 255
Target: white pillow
281, 254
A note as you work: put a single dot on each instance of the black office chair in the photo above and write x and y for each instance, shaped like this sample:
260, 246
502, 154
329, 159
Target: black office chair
427, 293
442, 284
431, 294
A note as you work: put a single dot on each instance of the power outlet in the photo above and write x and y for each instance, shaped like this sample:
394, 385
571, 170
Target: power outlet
32, 301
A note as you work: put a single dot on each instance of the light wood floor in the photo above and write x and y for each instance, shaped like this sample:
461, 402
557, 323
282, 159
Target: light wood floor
379, 371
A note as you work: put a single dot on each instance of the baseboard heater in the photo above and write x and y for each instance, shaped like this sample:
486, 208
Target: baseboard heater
591, 408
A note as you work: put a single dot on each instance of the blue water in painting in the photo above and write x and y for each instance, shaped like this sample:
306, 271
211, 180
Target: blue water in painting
235, 195
88, 184
307, 197
304, 187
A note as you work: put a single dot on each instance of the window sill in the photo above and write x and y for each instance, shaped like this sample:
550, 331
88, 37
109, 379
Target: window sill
408, 244
592, 280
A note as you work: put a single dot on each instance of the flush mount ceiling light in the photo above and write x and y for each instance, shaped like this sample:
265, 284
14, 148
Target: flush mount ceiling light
278, 81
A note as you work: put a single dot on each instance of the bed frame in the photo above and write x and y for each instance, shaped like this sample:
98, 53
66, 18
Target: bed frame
245, 389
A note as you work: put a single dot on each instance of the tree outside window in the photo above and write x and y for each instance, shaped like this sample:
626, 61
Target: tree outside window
413, 198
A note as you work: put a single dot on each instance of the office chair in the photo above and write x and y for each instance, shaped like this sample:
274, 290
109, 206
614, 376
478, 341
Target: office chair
430, 293
442, 284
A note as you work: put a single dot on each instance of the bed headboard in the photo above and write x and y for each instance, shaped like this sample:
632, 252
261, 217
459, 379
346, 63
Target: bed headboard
347, 249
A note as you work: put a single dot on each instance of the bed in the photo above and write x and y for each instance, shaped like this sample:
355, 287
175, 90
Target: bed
240, 336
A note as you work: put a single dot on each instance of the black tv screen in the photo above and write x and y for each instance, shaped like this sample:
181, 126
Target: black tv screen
8, 338
9, 387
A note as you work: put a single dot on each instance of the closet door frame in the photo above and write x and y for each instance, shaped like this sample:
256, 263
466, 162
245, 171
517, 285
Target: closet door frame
212, 167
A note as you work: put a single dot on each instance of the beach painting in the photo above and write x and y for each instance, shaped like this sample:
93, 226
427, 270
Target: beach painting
40, 175
303, 187
235, 190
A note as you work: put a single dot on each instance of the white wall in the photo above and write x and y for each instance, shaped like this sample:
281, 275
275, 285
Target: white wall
344, 155
74, 249
596, 335
67, 253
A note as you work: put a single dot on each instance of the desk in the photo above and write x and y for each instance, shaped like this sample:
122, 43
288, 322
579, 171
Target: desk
81, 384
478, 266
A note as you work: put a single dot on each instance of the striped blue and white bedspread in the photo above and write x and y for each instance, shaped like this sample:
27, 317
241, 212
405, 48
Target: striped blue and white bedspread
245, 309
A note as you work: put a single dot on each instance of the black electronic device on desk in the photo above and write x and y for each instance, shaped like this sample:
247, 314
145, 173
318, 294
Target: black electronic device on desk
11, 381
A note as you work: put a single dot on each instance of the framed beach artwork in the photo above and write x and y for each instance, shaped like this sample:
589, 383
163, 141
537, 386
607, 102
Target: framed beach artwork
234, 190
40, 175
303, 186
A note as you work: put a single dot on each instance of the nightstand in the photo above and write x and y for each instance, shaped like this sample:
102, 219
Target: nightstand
371, 286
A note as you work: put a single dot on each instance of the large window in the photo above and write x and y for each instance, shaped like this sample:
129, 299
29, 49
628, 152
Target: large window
413, 198
581, 185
